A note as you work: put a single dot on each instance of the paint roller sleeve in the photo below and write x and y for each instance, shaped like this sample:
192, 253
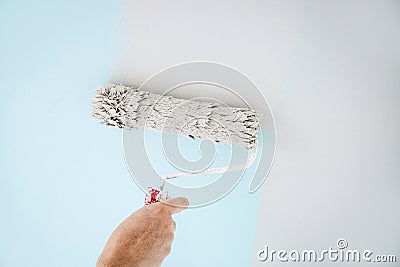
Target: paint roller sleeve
127, 107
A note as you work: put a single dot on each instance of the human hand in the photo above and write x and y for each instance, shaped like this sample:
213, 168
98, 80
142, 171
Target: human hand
144, 238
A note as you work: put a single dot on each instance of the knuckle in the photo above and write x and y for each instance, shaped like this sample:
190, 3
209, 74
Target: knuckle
157, 212
173, 225
168, 221
167, 250
157, 209
160, 210
171, 237
168, 237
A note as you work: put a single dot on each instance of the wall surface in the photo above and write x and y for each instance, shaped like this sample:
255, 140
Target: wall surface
61, 193
328, 69
330, 72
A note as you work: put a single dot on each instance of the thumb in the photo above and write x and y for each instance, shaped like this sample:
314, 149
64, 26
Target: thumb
175, 205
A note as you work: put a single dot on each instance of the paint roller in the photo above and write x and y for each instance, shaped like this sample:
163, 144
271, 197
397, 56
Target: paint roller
128, 107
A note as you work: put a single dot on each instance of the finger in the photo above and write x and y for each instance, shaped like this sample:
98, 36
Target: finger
175, 205
173, 225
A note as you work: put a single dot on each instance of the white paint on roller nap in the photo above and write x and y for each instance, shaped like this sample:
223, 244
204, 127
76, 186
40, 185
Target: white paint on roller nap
127, 107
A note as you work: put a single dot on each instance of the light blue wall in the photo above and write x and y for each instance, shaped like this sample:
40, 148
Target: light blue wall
64, 185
